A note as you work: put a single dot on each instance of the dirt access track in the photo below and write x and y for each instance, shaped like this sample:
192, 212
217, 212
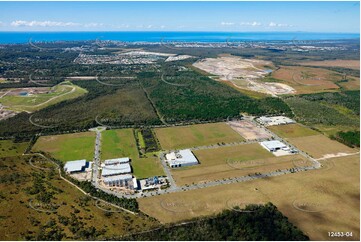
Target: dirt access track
244, 73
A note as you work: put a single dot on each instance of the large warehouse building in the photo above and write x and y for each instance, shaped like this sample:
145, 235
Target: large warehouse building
75, 166
181, 158
119, 180
276, 120
274, 145
117, 169
117, 161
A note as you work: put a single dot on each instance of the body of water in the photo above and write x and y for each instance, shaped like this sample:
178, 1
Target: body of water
24, 37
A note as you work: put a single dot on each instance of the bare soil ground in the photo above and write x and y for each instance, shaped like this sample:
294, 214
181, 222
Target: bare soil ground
248, 130
243, 73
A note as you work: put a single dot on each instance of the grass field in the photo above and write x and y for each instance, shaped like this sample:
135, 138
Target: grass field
9, 148
196, 135
331, 192
319, 146
18, 219
61, 92
68, 147
292, 130
121, 143
236, 167
313, 80
352, 64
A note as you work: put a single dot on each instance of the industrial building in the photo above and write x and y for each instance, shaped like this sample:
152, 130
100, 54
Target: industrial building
274, 145
117, 161
276, 120
119, 180
181, 158
75, 166
117, 169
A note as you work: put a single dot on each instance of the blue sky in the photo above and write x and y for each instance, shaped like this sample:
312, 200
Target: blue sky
181, 16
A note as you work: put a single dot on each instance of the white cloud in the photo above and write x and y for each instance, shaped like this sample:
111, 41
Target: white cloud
23, 23
253, 24
273, 24
227, 23
93, 25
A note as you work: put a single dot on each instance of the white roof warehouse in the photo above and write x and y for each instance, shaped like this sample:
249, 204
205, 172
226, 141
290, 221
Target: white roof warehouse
181, 158
75, 166
273, 145
117, 169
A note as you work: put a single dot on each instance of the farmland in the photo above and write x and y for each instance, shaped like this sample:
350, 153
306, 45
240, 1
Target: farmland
332, 191
68, 147
292, 130
121, 143
45, 207
196, 135
319, 146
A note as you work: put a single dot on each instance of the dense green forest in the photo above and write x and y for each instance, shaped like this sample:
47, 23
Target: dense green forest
263, 223
350, 138
327, 108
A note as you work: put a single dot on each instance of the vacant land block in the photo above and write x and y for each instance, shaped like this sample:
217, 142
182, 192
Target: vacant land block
196, 135
236, 167
292, 130
233, 161
311, 80
121, 143
9, 148
311, 200
248, 130
352, 64
68, 147
319, 146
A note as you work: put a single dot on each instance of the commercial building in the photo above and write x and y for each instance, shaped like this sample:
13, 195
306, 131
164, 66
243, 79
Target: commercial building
276, 120
117, 169
117, 161
274, 145
181, 158
75, 166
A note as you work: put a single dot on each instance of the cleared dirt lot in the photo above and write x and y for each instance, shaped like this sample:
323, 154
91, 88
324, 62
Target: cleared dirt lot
292, 130
243, 73
316, 201
196, 135
352, 64
248, 130
319, 146
312, 80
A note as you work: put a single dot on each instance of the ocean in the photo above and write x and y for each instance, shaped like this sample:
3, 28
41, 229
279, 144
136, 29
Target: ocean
24, 37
